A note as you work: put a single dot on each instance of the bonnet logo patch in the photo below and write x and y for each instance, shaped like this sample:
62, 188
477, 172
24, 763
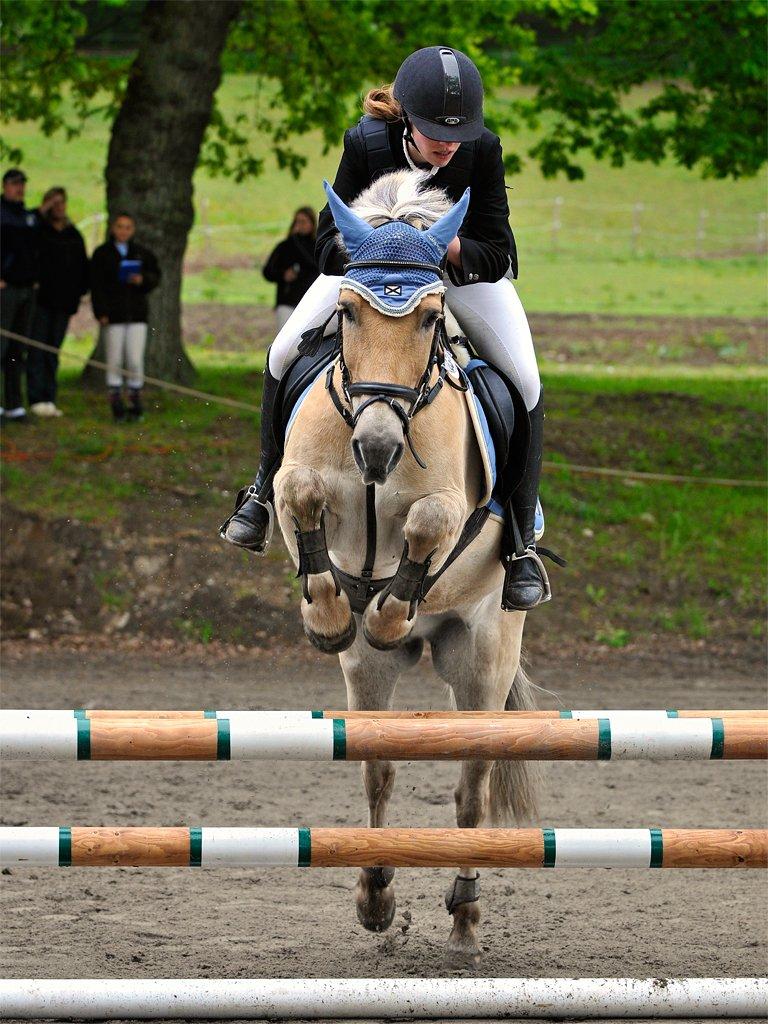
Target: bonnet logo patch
393, 289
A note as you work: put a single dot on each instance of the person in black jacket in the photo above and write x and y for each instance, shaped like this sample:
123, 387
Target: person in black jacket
63, 280
19, 270
291, 265
123, 273
430, 119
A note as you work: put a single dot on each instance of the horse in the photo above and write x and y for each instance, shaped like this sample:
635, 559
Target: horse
382, 459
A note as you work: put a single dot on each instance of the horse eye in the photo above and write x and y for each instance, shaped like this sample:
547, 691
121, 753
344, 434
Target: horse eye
430, 320
346, 312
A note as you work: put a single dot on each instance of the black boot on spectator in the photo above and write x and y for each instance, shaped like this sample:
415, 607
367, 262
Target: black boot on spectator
135, 408
251, 524
117, 405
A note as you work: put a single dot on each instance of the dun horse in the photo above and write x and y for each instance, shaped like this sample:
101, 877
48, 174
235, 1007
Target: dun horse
380, 479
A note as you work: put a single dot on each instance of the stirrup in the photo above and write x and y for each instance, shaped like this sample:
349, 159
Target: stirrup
509, 560
251, 494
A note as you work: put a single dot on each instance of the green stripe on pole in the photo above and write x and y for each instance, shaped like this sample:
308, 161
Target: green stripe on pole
672, 713
83, 739
718, 739
223, 745
339, 739
318, 714
305, 848
195, 847
657, 848
603, 739
80, 713
210, 714
65, 847
566, 714
550, 847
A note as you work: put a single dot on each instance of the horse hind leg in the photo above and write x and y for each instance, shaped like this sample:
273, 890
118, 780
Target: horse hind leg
301, 498
371, 677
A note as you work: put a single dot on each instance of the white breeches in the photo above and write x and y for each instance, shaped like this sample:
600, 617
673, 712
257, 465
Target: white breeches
125, 344
490, 315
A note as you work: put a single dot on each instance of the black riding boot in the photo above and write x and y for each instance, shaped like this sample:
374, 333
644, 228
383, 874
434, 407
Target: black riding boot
526, 584
251, 524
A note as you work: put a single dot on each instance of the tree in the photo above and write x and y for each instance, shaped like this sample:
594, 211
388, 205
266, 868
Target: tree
705, 59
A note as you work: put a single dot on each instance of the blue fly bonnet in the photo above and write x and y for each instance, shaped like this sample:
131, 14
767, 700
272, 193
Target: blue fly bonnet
394, 266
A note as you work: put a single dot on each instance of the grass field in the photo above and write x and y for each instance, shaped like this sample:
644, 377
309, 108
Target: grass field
594, 263
644, 557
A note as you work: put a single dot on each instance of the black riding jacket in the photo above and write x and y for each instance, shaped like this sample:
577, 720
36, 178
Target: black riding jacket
373, 148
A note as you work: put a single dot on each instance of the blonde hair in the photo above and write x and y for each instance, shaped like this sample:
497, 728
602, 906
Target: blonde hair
381, 103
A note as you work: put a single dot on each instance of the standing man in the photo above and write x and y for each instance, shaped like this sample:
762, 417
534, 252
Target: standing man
19, 259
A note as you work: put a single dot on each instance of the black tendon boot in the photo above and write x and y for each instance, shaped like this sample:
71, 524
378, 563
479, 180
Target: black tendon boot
135, 408
116, 404
526, 584
250, 526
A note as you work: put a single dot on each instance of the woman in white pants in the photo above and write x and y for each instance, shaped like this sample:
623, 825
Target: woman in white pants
122, 275
430, 119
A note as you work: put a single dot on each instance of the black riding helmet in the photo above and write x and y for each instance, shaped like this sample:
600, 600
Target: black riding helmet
441, 93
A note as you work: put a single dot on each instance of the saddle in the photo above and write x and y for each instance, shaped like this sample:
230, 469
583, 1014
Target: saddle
296, 382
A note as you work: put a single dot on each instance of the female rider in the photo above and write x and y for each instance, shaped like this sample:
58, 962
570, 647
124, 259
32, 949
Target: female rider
430, 119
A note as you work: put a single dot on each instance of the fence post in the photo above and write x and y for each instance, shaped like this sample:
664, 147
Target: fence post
556, 222
701, 233
637, 210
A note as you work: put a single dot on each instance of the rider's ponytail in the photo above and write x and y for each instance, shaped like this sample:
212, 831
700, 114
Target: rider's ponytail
380, 103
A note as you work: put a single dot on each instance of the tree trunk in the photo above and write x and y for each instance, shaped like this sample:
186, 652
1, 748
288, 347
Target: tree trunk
154, 149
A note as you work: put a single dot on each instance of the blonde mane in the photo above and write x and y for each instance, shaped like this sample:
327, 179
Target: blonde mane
401, 195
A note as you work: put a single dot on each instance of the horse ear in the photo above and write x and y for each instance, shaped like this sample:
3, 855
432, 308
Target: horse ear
446, 229
354, 230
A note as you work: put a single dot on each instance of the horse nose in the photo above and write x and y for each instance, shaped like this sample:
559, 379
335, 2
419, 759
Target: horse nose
376, 458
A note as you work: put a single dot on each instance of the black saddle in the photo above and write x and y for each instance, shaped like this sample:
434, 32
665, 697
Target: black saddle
295, 381
508, 424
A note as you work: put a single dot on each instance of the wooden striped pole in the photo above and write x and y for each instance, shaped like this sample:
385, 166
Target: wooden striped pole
398, 847
241, 737
368, 998
639, 714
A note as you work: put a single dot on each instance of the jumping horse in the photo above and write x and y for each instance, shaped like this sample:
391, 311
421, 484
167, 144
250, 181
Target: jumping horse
377, 499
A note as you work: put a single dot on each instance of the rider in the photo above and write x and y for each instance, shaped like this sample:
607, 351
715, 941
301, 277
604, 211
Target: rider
430, 119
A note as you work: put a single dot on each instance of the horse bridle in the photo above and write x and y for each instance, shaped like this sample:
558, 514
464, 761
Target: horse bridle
418, 397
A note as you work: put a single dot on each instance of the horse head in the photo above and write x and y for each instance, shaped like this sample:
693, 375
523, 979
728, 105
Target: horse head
396, 234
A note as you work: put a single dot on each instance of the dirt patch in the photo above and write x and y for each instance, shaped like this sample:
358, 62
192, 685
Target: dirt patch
283, 923
577, 337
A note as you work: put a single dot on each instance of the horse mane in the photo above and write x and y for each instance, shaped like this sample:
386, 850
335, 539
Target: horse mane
401, 195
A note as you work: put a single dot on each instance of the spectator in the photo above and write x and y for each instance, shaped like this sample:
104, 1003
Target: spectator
63, 282
19, 239
122, 275
292, 264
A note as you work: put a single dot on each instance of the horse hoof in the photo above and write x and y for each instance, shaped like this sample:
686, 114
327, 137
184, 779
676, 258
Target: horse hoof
383, 645
376, 911
459, 959
333, 644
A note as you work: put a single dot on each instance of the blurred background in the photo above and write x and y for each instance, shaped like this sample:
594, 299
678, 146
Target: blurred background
635, 140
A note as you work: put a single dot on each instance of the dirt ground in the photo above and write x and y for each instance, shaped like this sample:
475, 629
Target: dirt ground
286, 923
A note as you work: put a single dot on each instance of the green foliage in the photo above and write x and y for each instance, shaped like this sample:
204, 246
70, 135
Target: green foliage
311, 59
710, 107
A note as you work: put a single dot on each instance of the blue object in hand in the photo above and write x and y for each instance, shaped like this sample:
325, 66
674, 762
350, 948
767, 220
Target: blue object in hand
127, 269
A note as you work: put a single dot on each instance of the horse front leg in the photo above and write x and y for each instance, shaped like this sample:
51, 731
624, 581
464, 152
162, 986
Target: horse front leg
300, 495
431, 529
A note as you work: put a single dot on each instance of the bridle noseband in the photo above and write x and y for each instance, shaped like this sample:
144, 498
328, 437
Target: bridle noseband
418, 397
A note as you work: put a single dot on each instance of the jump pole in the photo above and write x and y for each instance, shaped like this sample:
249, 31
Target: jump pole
49, 736
398, 847
400, 998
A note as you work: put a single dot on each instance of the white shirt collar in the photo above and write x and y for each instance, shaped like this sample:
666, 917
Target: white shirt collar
415, 167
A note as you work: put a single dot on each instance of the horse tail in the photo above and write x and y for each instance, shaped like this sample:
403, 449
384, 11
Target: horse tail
514, 784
